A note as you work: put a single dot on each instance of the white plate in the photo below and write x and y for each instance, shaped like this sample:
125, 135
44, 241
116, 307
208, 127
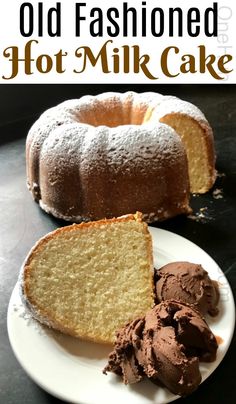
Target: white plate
71, 369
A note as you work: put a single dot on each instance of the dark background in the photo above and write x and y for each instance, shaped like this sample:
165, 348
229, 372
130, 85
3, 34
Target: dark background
22, 222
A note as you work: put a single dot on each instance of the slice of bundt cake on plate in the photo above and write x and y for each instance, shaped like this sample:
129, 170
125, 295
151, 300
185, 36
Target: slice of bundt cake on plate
88, 280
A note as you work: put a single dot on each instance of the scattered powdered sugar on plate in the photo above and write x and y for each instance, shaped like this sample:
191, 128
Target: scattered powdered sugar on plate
217, 193
25, 314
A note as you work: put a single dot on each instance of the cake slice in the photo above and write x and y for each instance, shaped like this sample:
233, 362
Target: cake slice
88, 280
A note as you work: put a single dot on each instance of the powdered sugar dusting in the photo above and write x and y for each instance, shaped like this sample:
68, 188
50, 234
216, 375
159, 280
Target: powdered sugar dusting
56, 213
217, 193
24, 313
170, 104
128, 149
220, 175
201, 216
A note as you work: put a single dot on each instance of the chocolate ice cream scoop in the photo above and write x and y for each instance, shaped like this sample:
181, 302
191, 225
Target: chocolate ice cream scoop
188, 283
166, 346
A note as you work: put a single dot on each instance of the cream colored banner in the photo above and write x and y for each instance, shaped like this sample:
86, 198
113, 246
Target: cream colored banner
114, 41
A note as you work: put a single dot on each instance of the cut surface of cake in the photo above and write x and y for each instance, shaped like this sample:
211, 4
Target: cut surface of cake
88, 280
196, 135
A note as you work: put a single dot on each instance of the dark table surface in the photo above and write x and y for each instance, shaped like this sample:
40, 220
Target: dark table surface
22, 221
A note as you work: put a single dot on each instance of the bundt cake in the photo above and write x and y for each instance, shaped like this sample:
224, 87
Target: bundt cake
87, 280
112, 154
